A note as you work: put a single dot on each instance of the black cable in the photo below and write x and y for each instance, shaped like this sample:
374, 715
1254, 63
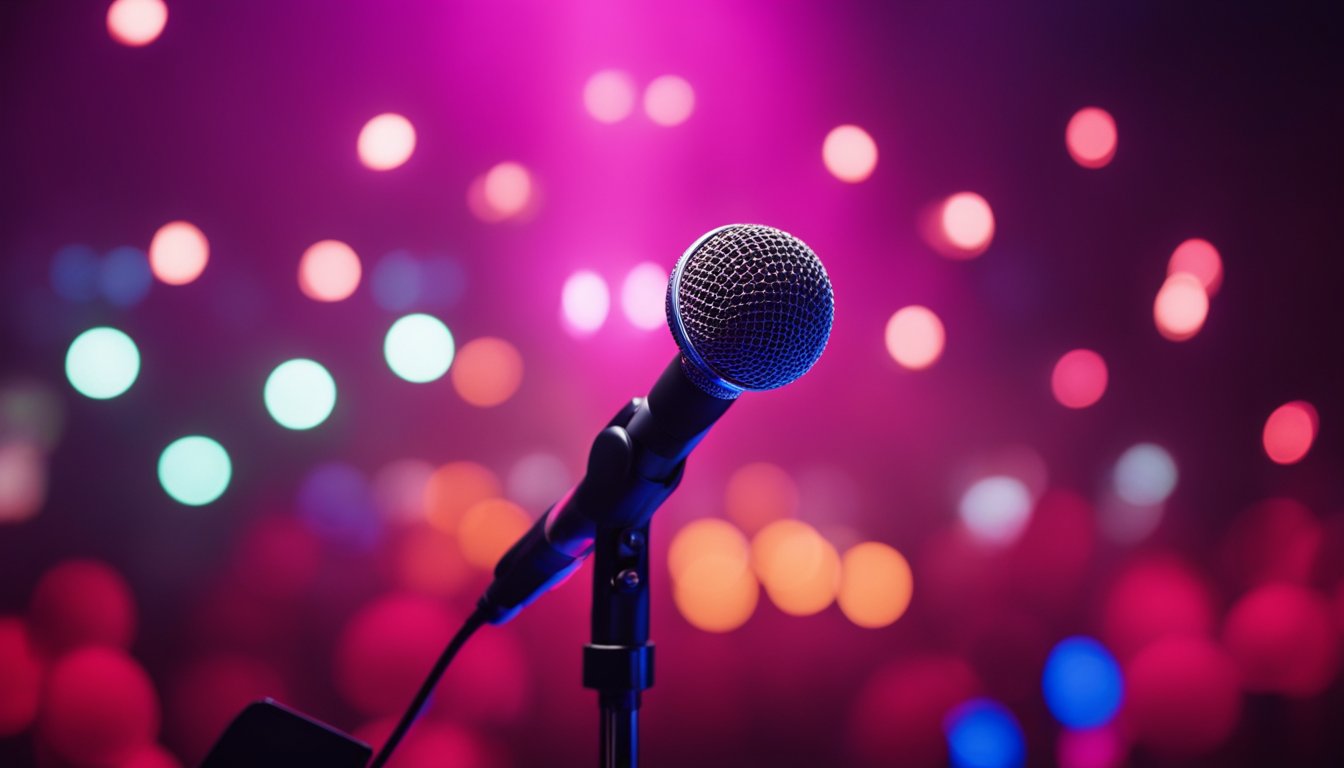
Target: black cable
469, 627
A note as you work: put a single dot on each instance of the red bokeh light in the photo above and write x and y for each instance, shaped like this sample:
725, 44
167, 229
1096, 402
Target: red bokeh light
20, 677
209, 693
490, 683
1198, 257
430, 745
1182, 696
899, 713
1102, 747
81, 602
152, 757
1152, 599
98, 708
1181, 307
1285, 640
1275, 540
1079, 378
386, 649
1290, 431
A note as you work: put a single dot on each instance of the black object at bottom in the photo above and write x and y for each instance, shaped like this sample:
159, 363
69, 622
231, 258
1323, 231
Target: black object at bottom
268, 734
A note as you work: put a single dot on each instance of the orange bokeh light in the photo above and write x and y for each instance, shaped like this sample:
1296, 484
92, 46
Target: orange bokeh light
915, 337
799, 569
1289, 432
136, 22
178, 253
1199, 258
453, 489
1181, 307
1091, 137
386, 142
706, 537
716, 594
487, 371
487, 530
329, 271
1079, 378
876, 585
760, 493
849, 153
429, 561
967, 224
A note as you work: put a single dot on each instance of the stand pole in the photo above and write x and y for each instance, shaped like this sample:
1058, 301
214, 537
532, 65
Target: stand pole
618, 663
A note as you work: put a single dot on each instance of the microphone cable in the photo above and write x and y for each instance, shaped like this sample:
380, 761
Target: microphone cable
474, 622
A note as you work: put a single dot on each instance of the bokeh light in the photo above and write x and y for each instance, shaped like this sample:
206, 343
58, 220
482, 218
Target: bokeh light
78, 603
1145, 475
642, 296
538, 480
1181, 307
453, 489
125, 277
1182, 697
996, 509
23, 480
99, 708
967, 223
584, 302
609, 96
336, 502
386, 142
428, 561
299, 394
399, 489
799, 569
151, 756
1125, 522
178, 253
915, 337
102, 363
849, 153
1091, 748
715, 593
1079, 378
136, 22
1091, 137
507, 189
876, 585
21, 671
1154, 598
329, 271
669, 100
488, 372
1289, 432
1198, 257
983, 734
760, 493
706, 537
1082, 683
1275, 540
385, 649
74, 273
194, 470
419, 348
396, 281
1285, 640
488, 528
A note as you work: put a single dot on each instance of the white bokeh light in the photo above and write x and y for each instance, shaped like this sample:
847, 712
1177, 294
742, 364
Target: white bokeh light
643, 296
1145, 475
585, 302
996, 509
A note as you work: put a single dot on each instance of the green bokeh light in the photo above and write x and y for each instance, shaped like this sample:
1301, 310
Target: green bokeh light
194, 470
102, 363
419, 348
300, 394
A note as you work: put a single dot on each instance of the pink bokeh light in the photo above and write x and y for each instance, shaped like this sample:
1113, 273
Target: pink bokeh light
1091, 137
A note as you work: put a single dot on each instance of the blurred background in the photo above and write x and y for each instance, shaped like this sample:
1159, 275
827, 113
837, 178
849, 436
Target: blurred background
309, 308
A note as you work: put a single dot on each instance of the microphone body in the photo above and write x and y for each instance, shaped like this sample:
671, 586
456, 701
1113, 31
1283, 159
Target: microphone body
750, 308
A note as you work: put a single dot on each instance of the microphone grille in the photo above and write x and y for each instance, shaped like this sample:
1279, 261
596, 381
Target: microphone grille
751, 308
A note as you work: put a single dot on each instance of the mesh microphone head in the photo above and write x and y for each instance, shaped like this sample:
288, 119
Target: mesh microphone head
750, 307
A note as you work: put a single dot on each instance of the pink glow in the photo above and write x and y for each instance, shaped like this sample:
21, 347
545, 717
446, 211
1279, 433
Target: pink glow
968, 224
1091, 137
386, 141
1284, 639
669, 100
1182, 696
642, 296
329, 271
849, 153
1079, 378
1289, 432
507, 189
1093, 748
609, 96
1181, 307
136, 22
178, 253
584, 302
1199, 258
915, 337
99, 708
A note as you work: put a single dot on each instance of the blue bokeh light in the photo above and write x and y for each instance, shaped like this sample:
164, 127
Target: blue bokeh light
445, 282
125, 276
982, 733
1082, 683
335, 501
396, 281
74, 273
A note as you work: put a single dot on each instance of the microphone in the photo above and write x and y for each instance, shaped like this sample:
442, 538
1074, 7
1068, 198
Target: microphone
750, 308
